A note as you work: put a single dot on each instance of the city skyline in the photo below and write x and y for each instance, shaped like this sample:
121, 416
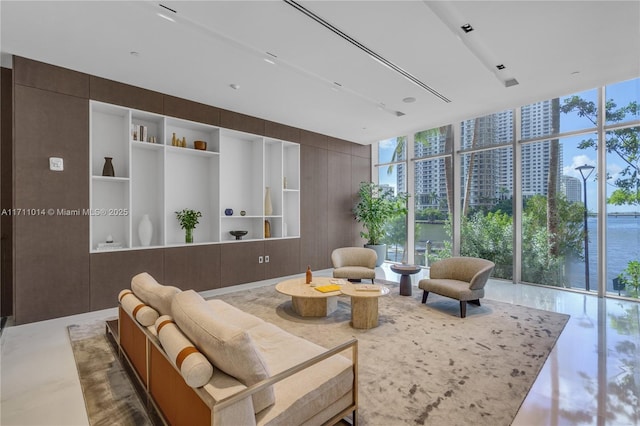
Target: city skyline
536, 122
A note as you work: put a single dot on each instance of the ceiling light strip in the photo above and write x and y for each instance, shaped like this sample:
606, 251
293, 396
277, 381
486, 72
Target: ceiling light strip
365, 49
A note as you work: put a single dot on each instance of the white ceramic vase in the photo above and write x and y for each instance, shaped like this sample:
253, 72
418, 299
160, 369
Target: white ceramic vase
268, 207
145, 230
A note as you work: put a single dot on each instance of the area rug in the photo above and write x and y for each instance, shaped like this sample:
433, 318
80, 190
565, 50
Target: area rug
109, 395
424, 364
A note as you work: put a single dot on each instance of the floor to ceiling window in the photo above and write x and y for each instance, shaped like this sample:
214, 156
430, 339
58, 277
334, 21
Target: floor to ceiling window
623, 188
392, 174
536, 188
432, 191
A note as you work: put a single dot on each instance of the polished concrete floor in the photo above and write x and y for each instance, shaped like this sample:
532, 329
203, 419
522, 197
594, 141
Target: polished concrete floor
592, 376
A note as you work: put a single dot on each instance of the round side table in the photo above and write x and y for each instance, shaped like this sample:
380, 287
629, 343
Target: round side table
405, 280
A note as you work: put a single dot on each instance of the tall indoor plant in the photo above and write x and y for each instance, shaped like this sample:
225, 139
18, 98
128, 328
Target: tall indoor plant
376, 206
188, 220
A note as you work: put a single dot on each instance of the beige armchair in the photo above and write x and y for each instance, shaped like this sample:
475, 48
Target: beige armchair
354, 263
461, 278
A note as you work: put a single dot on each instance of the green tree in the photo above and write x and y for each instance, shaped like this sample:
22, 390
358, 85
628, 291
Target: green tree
621, 142
396, 234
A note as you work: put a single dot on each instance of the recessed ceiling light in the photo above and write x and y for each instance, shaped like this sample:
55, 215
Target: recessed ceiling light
134, 53
409, 100
269, 61
467, 28
234, 86
500, 67
575, 72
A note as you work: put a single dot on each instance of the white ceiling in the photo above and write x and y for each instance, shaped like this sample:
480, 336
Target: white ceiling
552, 48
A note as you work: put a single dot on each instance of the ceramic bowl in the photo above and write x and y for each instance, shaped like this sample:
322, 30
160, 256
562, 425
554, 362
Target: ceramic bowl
238, 234
201, 145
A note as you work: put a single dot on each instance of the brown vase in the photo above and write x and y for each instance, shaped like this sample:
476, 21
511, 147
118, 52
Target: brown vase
267, 229
309, 276
107, 169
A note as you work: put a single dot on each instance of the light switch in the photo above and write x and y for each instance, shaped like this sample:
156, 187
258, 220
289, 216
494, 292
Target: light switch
56, 164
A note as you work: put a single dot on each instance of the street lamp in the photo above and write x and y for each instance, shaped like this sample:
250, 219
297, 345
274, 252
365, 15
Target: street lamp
586, 169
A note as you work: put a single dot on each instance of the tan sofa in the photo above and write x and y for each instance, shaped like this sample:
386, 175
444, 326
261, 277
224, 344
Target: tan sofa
207, 362
354, 263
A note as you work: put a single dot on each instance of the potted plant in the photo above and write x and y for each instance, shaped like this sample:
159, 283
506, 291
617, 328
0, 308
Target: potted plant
188, 220
376, 206
630, 277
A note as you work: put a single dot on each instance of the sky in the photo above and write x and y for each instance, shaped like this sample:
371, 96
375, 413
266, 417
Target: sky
622, 93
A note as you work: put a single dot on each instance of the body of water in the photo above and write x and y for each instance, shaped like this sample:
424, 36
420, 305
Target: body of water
623, 245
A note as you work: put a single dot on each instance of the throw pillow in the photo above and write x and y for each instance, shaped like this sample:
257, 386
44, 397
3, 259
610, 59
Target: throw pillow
227, 346
144, 314
194, 367
152, 293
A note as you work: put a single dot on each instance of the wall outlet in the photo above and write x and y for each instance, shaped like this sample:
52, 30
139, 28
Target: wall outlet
56, 164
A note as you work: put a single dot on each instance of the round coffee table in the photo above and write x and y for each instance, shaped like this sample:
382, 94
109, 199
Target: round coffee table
306, 300
364, 303
405, 280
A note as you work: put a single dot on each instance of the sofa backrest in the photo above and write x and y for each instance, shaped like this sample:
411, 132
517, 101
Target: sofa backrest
227, 346
473, 270
354, 256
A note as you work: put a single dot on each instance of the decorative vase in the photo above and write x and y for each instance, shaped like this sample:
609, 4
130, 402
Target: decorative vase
267, 229
107, 169
268, 207
228, 212
173, 140
145, 230
309, 275
188, 235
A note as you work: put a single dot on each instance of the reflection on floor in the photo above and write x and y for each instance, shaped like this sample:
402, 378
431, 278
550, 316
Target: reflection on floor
592, 376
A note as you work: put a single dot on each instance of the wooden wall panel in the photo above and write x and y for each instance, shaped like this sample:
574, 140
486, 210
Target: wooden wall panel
49, 77
117, 93
244, 123
6, 192
341, 221
314, 208
314, 139
196, 267
281, 131
284, 257
51, 250
239, 263
189, 110
112, 271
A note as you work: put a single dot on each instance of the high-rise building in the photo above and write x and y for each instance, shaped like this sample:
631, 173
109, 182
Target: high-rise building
487, 176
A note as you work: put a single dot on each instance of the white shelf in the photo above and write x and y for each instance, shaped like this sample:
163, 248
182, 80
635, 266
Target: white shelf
158, 179
113, 179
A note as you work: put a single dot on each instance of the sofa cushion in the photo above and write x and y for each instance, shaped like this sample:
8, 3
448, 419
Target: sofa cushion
305, 395
194, 367
142, 313
154, 294
227, 346
233, 315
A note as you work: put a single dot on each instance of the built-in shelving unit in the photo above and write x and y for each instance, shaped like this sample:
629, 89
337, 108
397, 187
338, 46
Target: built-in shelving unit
156, 178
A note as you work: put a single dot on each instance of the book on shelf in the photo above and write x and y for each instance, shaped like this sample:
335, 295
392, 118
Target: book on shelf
109, 246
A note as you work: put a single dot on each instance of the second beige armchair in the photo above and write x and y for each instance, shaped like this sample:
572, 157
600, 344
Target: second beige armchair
461, 278
354, 263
